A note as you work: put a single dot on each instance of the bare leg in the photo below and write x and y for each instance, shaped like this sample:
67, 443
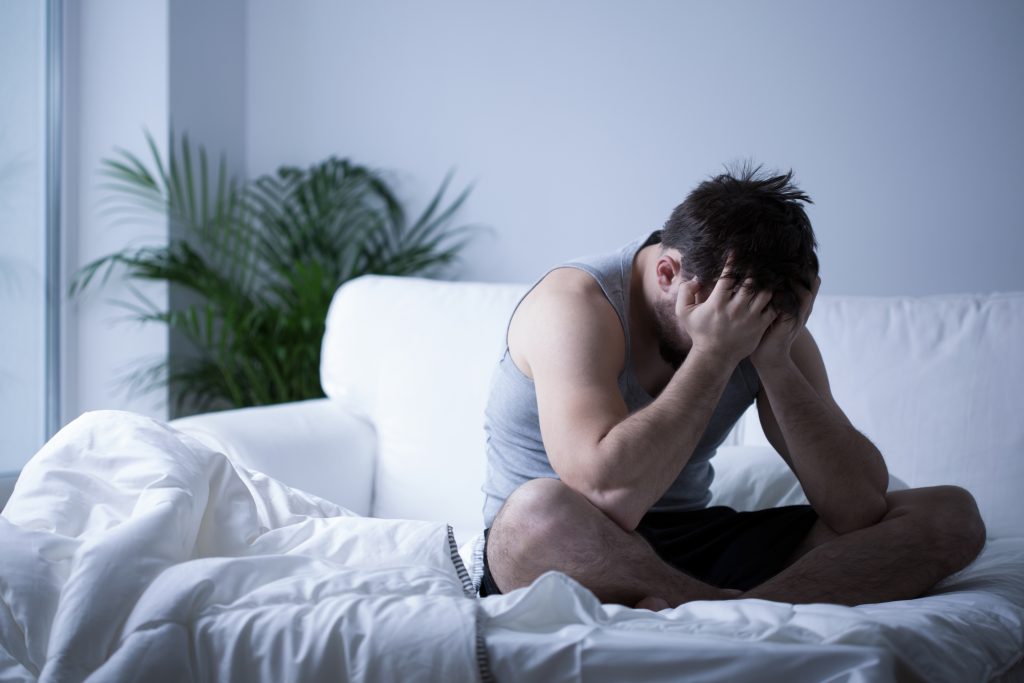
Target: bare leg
928, 534
545, 525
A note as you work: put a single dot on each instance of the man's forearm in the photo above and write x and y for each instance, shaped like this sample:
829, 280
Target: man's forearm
841, 471
642, 455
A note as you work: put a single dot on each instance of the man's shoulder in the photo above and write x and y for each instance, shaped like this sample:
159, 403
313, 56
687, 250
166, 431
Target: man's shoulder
567, 294
569, 281
565, 312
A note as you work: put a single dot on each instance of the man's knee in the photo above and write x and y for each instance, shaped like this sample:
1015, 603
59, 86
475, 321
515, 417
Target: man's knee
960, 524
543, 525
536, 514
948, 520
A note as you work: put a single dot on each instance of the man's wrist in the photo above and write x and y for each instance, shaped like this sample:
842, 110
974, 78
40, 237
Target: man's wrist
774, 369
711, 358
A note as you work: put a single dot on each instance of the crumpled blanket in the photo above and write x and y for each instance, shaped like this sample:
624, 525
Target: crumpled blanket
130, 551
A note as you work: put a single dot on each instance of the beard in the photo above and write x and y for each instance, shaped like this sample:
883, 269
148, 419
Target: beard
671, 353
672, 344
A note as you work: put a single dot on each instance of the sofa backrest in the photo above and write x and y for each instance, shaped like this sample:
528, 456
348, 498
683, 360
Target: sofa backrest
932, 381
415, 356
935, 382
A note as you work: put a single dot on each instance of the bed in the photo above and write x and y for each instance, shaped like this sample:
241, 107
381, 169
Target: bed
339, 538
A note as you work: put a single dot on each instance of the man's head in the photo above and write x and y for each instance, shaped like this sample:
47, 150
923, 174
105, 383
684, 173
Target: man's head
758, 218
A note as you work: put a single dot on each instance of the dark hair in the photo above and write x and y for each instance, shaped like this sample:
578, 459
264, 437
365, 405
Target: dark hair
757, 217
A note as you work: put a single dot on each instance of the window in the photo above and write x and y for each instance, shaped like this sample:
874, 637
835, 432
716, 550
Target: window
30, 55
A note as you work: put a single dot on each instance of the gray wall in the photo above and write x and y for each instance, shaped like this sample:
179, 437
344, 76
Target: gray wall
583, 123
206, 74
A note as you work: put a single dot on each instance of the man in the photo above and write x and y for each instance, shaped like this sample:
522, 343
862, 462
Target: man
622, 375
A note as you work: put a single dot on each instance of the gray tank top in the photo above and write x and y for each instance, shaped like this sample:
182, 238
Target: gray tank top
515, 451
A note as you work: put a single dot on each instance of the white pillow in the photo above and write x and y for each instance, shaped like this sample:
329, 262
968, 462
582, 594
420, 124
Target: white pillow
756, 477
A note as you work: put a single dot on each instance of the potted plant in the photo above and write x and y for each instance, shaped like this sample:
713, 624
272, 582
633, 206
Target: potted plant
259, 262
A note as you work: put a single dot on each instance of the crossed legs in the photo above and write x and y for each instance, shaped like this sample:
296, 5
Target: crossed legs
927, 534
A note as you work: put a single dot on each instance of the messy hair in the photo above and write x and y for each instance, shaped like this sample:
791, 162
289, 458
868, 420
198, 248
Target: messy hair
756, 216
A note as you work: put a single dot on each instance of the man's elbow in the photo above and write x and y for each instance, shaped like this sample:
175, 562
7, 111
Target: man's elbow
863, 512
611, 493
617, 503
621, 507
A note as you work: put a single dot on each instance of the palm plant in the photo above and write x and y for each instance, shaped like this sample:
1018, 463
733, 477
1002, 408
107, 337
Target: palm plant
260, 261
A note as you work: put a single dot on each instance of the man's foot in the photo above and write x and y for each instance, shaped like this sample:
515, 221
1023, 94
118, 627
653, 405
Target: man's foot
652, 603
656, 604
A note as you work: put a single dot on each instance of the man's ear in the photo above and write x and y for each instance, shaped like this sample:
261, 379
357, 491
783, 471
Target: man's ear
668, 269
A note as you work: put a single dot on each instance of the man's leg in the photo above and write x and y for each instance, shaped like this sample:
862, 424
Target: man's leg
928, 534
545, 525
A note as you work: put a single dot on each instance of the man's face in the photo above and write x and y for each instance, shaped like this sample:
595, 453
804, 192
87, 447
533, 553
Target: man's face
673, 340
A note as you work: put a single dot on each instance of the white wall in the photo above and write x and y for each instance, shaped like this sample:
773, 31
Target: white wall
584, 123
117, 75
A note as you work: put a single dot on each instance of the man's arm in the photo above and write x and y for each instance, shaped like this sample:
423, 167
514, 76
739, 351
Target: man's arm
841, 471
574, 347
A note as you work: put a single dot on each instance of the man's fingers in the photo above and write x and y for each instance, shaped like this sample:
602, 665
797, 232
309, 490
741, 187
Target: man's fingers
804, 293
687, 297
726, 281
744, 294
761, 301
727, 270
807, 297
692, 290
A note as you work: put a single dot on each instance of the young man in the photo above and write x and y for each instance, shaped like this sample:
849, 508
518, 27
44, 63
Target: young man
624, 373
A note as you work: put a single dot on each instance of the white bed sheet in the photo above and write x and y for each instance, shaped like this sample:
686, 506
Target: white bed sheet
971, 628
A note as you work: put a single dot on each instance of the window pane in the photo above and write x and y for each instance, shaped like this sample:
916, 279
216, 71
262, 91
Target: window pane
22, 230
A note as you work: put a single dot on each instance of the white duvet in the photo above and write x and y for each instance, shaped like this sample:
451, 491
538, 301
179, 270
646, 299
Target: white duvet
131, 552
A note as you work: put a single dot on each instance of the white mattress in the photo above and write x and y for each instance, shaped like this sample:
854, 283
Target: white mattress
969, 628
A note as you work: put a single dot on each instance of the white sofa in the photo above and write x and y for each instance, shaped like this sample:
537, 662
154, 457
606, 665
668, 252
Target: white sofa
934, 382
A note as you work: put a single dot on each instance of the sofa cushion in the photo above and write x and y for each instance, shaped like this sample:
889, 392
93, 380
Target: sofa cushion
416, 357
934, 382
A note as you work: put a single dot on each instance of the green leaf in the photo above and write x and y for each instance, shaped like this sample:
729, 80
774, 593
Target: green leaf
261, 261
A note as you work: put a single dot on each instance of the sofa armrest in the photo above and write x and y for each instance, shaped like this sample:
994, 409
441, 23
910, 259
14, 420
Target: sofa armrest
317, 446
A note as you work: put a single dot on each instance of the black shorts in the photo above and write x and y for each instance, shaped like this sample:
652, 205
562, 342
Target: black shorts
717, 545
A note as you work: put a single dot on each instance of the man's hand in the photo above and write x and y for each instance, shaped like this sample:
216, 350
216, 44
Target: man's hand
774, 348
730, 322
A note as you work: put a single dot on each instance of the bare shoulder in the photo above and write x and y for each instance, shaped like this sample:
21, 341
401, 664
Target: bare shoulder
567, 320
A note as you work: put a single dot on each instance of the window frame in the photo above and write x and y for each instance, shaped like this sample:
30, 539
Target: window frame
53, 282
